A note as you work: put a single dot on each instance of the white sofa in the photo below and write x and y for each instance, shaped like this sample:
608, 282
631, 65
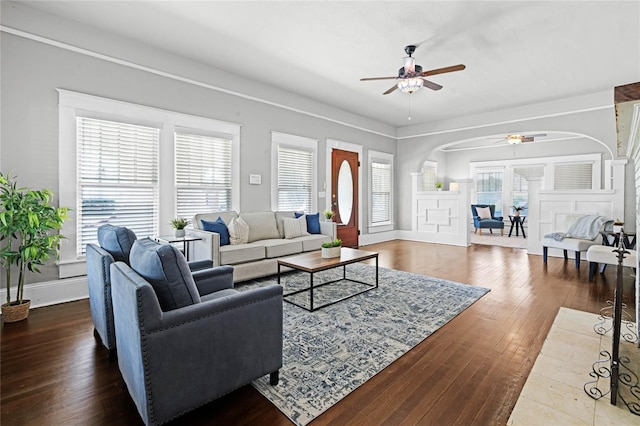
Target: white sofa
266, 243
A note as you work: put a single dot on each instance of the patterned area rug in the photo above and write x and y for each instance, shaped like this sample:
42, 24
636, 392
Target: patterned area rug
330, 352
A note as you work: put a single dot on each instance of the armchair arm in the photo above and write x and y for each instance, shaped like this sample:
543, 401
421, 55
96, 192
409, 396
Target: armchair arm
213, 279
498, 218
197, 265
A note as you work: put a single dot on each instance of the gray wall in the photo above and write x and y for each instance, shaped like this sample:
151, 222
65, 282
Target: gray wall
31, 71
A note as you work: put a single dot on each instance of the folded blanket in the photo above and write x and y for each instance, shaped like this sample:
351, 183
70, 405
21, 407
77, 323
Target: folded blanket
586, 227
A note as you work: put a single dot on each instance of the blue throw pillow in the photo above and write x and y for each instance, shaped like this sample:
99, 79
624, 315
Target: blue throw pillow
313, 222
218, 226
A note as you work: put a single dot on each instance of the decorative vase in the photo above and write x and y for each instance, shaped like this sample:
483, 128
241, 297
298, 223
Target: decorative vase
15, 313
329, 252
517, 212
180, 233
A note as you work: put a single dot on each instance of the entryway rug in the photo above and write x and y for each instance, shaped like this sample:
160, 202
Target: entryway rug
330, 352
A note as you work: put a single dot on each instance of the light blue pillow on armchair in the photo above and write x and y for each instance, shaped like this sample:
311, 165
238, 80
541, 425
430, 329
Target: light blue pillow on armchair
166, 269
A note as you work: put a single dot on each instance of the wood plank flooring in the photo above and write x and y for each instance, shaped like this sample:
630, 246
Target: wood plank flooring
469, 372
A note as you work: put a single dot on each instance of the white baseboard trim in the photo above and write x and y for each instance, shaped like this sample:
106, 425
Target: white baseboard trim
53, 292
427, 237
378, 237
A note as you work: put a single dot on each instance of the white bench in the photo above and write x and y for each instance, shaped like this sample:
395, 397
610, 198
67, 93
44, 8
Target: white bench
605, 255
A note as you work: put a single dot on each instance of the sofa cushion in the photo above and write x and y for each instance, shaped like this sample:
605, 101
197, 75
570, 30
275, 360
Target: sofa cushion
219, 227
238, 231
280, 215
313, 242
235, 254
572, 244
227, 217
166, 269
117, 240
277, 248
294, 228
313, 222
262, 225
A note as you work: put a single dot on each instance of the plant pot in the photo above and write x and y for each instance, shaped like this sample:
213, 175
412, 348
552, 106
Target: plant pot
330, 252
180, 233
15, 313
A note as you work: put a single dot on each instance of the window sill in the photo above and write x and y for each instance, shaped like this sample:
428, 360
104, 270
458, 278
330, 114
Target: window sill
380, 227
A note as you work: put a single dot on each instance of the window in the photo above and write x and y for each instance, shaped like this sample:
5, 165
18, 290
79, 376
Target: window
521, 184
380, 191
489, 189
573, 176
429, 173
203, 173
293, 165
117, 178
126, 164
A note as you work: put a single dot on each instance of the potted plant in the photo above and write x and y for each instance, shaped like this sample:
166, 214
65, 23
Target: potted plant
517, 209
179, 224
28, 238
331, 248
328, 214
438, 186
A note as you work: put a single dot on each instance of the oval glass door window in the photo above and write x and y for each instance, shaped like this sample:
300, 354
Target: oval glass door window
345, 192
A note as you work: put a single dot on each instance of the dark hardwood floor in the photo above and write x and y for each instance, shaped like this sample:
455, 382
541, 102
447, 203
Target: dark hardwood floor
470, 371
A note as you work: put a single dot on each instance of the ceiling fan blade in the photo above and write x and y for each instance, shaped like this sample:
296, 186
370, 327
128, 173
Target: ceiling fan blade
431, 85
395, 86
377, 78
539, 135
527, 139
452, 68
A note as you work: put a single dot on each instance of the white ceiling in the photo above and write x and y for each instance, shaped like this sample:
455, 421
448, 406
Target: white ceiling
516, 53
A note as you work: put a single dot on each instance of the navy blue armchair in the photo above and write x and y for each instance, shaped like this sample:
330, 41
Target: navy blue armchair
183, 343
490, 221
115, 245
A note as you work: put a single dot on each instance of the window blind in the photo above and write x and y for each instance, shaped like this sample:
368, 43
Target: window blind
117, 178
295, 174
203, 174
380, 192
573, 176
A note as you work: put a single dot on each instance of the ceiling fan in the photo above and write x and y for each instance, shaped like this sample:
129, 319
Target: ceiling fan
411, 76
517, 139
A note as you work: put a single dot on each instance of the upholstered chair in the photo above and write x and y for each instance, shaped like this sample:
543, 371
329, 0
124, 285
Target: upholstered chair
115, 244
185, 340
486, 219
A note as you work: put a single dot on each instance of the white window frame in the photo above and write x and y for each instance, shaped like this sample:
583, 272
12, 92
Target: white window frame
279, 139
382, 157
434, 166
72, 104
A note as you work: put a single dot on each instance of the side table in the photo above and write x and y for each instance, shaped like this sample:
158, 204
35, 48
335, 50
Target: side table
171, 239
517, 222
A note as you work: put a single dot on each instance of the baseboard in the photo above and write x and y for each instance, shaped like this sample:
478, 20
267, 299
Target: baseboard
53, 292
427, 237
378, 237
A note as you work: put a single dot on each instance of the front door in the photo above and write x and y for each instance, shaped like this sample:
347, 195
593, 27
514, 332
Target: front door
344, 195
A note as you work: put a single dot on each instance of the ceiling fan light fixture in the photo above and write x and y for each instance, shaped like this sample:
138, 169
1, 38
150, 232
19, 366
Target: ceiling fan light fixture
514, 139
410, 85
